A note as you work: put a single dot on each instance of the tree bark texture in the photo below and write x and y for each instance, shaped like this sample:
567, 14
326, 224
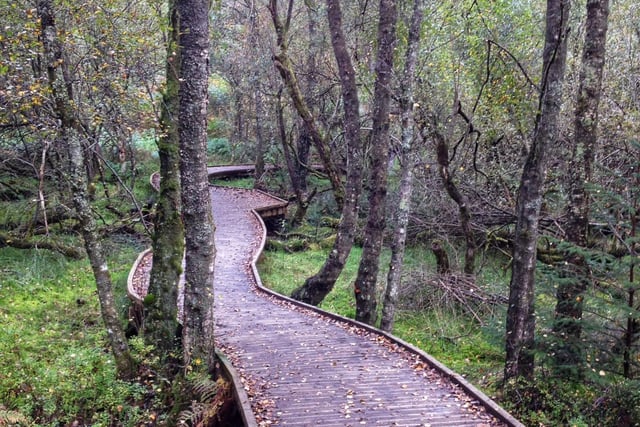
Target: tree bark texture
161, 304
299, 170
316, 287
197, 336
570, 293
394, 276
520, 324
69, 138
285, 68
367, 278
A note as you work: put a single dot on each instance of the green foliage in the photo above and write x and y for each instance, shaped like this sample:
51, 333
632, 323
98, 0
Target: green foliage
548, 401
208, 397
219, 149
553, 401
145, 141
219, 91
217, 128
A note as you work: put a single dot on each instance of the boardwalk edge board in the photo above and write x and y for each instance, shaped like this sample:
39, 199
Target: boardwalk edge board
458, 379
239, 393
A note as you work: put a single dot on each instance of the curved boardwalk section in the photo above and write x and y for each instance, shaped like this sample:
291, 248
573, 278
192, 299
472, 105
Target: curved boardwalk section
304, 368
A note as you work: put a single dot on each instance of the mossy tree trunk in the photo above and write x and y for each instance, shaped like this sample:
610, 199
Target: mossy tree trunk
367, 278
316, 287
197, 336
520, 324
161, 317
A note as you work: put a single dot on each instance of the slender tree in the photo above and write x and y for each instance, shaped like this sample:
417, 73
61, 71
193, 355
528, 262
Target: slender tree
161, 317
406, 102
284, 66
197, 336
69, 138
449, 184
299, 169
316, 287
520, 325
367, 279
570, 298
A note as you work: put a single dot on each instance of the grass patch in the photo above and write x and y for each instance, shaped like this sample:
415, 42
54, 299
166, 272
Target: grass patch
246, 182
56, 367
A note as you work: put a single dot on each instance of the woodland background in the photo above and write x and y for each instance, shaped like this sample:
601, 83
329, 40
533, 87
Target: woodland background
497, 141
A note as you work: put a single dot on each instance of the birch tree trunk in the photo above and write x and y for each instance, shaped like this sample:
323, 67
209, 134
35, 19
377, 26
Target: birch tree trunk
520, 324
197, 335
394, 276
367, 279
68, 137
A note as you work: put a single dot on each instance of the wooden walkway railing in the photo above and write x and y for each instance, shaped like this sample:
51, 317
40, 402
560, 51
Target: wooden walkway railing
301, 366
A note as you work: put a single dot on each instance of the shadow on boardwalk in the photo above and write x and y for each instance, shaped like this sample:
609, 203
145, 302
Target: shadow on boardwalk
303, 367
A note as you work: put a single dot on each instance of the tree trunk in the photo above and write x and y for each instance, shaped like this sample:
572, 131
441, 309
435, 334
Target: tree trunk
367, 279
197, 335
520, 325
69, 138
442, 155
300, 162
161, 317
285, 68
394, 276
258, 102
258, 175
442, 258
302, 202
570, 299
316, 287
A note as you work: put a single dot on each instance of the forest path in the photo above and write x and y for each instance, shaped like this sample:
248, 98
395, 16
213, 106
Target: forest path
301, 366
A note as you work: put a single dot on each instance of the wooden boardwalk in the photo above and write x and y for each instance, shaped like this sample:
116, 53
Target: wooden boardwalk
302, 367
